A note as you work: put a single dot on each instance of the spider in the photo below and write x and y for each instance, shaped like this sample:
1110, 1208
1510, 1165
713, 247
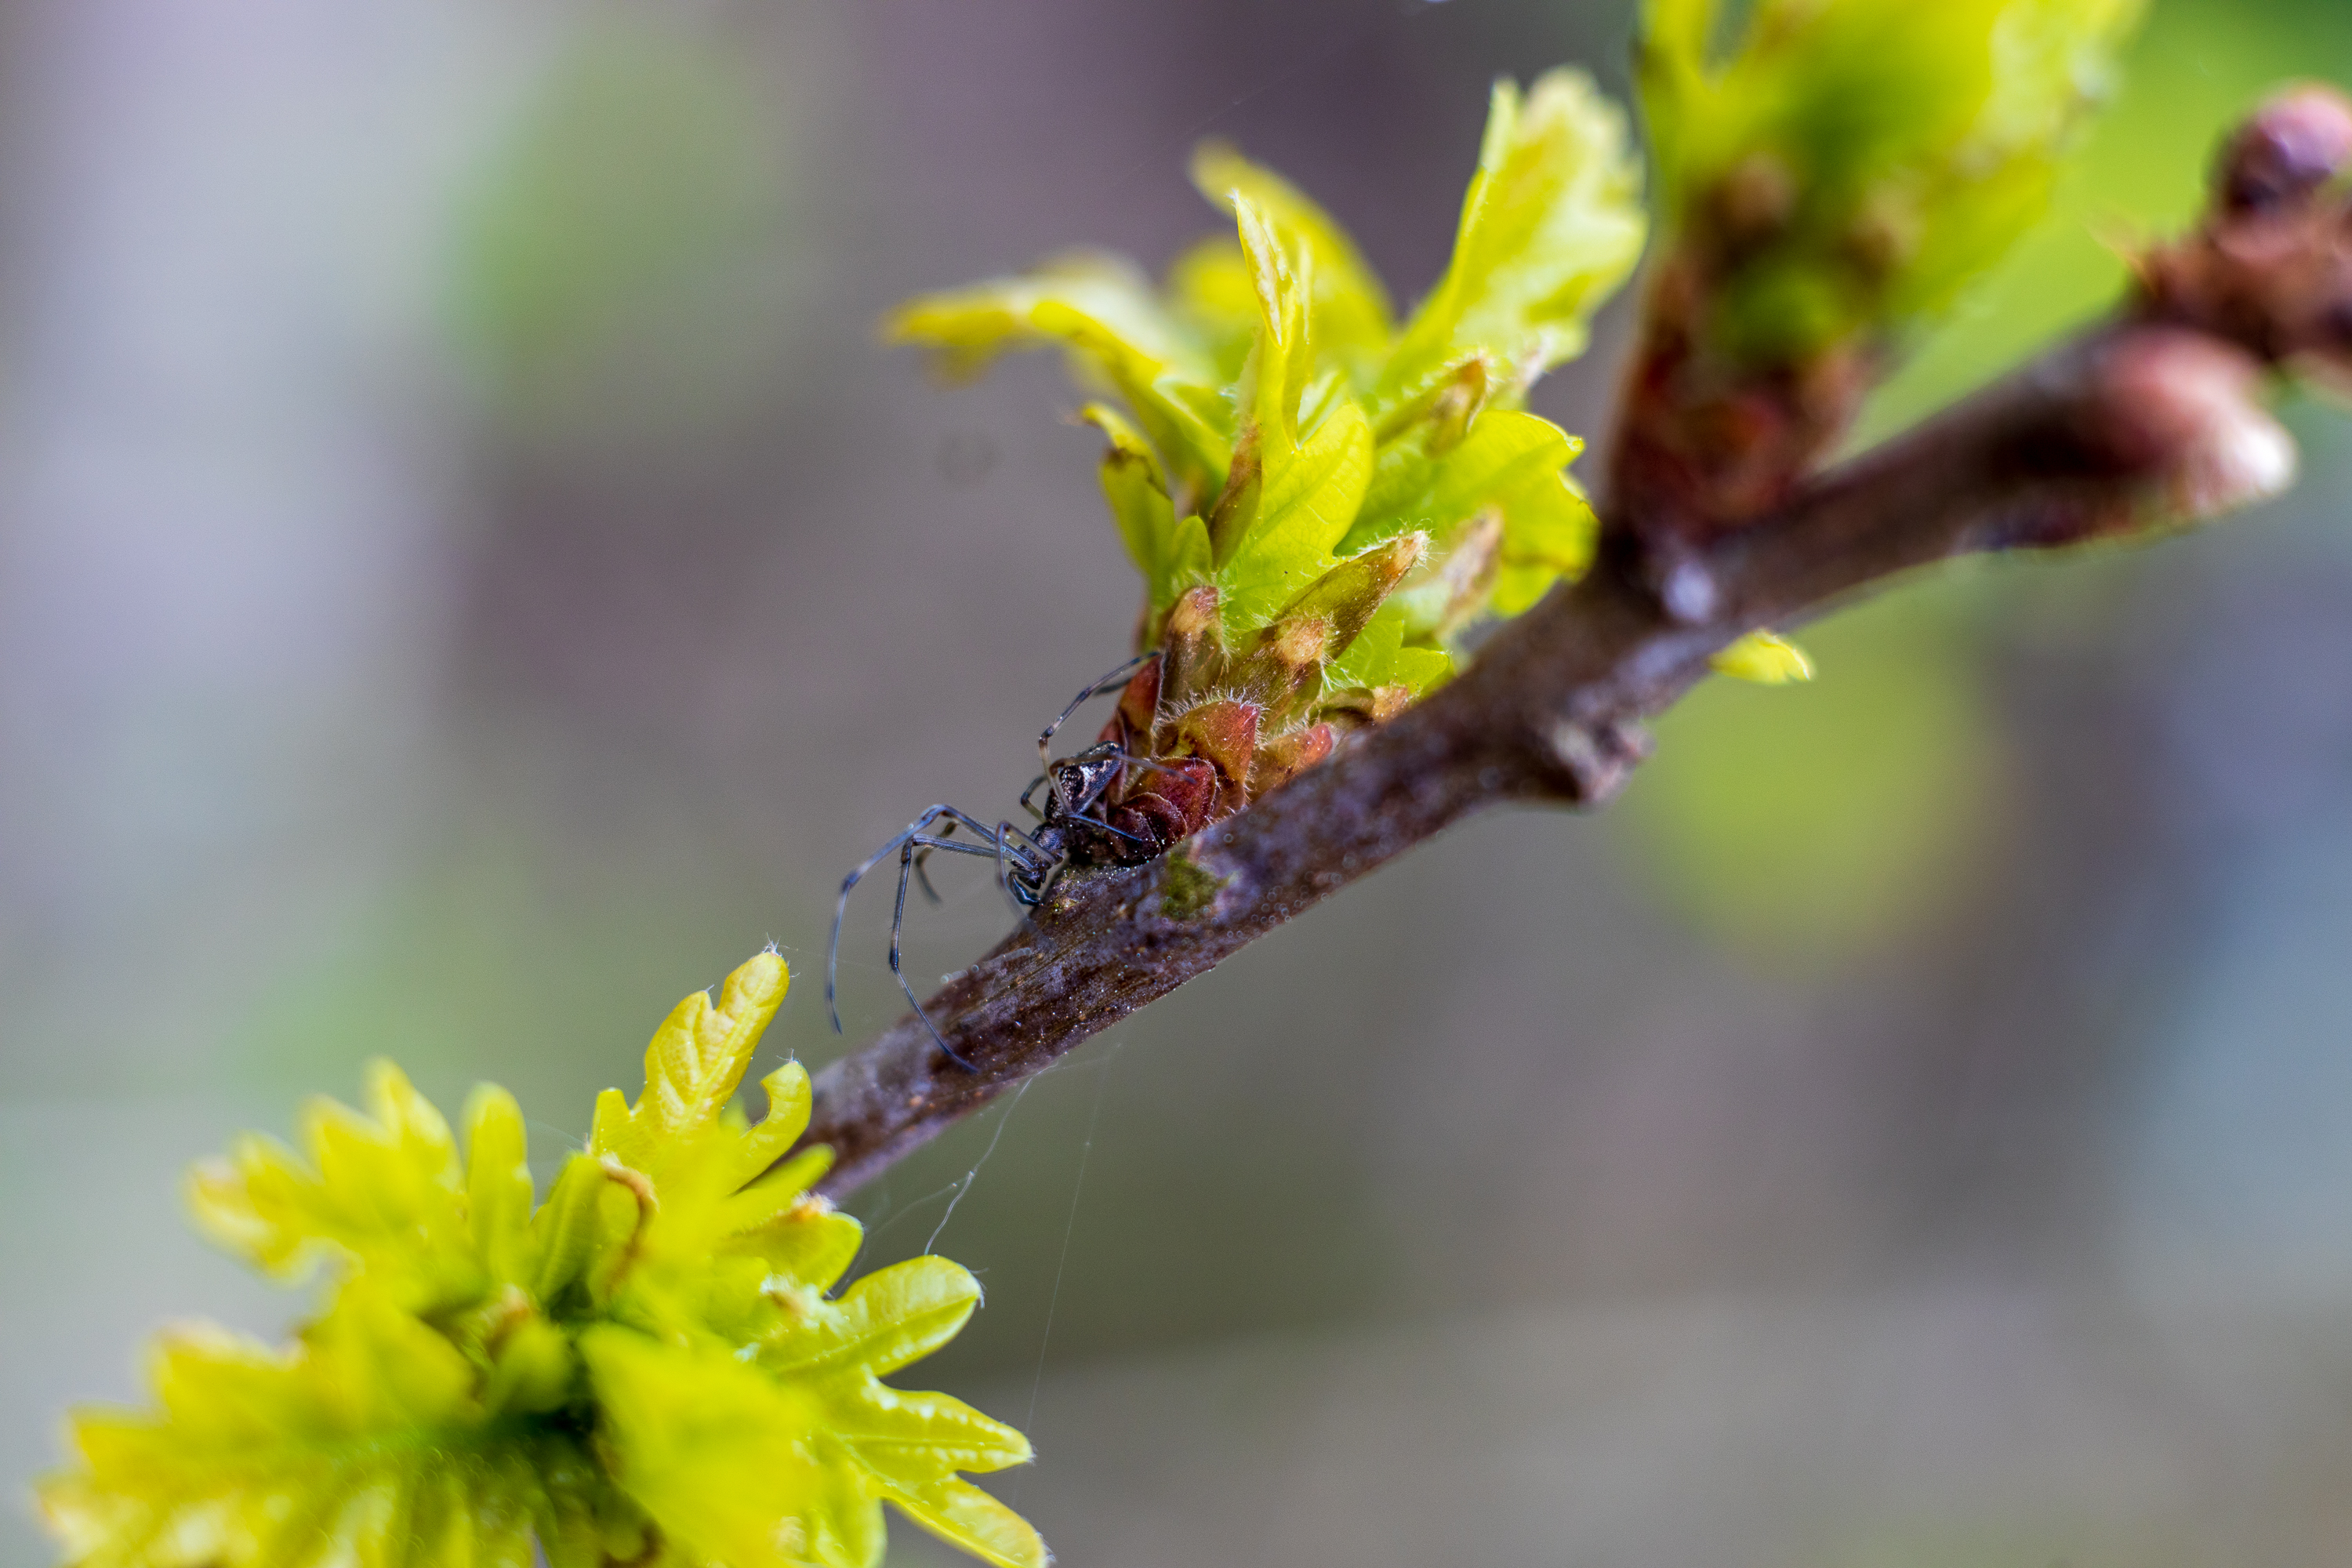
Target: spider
1094, 815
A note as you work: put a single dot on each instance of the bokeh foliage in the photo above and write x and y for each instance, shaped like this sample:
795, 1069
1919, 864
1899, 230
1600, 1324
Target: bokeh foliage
647, 1367
1866, 159
623, 254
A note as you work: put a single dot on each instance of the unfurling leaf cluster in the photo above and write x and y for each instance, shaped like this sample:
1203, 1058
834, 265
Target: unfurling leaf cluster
648, 1368
1851, 163
1321, 498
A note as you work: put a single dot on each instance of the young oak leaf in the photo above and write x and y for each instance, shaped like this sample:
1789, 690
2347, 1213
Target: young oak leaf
365, 1443
1276, 533
787, 1458
678, 1178
1379, 658
1117, 336
1549, 533
659, 1331
695, 1059
906, 1449
1280, 345
382, 1191
1551, 226
1855, 163
1172, 555
1502, 450
1348, 308
1508, 467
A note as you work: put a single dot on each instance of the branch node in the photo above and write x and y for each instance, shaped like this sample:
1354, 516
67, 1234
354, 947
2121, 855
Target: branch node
1688, 593
1597, 759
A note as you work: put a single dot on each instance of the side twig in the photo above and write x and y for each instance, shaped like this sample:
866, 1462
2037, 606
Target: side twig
2154, 416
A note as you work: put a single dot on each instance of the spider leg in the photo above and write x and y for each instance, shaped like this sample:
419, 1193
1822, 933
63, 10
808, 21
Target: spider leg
1027, 864
1030, 791
1020, 860
1149, 764
1112, 682
1118, 832
1029, 851
902, 843
955, 819
923, 871
898, 918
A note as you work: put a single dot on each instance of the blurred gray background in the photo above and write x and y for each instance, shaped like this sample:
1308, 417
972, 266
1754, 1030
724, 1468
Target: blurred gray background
468, 576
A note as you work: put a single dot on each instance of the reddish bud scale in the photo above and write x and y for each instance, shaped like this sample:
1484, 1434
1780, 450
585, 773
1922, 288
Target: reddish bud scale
1214, 727
2270, 270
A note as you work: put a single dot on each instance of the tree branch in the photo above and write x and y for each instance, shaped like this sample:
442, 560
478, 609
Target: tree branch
2152, 417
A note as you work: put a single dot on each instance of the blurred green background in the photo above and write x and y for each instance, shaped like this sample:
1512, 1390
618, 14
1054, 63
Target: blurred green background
468, 576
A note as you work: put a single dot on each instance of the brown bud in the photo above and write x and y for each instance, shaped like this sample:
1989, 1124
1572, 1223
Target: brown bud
1139, 707
1351, 592
1286, 665
1225, 733
2175, 416
1288, 754
2236, 453
2186, 406
1192, 647
2295, 143
1360, 705
1753, 202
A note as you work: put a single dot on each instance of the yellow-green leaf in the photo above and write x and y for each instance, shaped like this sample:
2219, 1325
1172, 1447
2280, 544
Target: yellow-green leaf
1306, 502
364, 1444
716, 1455
1502, 450
1348, 308
497, 1182
645, 1370
1119, 336
1549, 533
1764, 659
1137, 496
1551, 225
697, 1059
886, 1319
963, 1515
382, 1191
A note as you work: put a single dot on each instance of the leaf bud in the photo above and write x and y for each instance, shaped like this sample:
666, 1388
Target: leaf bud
2292, 145
1192, 653
1751, 204
1351, 592
1361, 705
1288, 754
2173, 415
1458, 400
1286, 665
1224, 732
